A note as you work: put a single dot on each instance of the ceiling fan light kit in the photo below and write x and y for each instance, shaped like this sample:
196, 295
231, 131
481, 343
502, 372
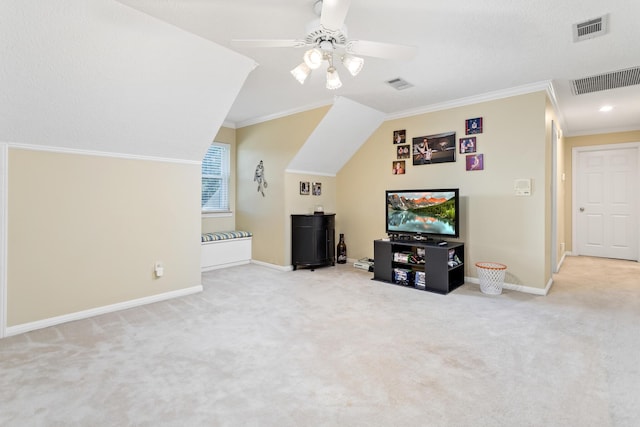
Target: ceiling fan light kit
325, 36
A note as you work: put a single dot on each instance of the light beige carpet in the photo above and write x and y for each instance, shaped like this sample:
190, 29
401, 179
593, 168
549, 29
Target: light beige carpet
261, 347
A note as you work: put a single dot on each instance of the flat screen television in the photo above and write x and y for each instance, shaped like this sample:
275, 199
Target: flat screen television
423, 214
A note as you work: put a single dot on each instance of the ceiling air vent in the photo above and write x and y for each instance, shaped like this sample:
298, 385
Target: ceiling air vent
592, 28
399, 84
613, 80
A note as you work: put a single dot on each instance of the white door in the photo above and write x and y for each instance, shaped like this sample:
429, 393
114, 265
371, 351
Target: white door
606, 203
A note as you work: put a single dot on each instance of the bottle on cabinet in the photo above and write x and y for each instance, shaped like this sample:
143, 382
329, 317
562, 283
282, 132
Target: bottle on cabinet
341, 251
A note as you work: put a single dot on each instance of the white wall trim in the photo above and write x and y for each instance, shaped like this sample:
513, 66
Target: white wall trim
489, 96
564, 255
52, 321
63, 150
485, 97
282, 114
514, 287
274, 266
216, 214
4, 177
603, 131
300, 172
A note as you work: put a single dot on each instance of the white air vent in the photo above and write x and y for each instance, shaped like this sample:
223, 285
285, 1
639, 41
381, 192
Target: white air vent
399, 83
592, 28
613, 80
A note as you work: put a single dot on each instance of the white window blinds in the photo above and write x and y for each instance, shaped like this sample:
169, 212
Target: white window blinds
215, 178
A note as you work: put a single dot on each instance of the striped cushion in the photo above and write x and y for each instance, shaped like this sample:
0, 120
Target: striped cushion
224, 235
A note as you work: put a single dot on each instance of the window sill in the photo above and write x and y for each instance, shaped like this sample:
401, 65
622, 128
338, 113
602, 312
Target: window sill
216, 214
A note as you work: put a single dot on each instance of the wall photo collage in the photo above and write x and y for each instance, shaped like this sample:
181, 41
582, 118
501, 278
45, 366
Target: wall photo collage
438, 148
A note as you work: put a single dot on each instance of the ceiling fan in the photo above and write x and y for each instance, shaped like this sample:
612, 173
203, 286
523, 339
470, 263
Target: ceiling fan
327, 36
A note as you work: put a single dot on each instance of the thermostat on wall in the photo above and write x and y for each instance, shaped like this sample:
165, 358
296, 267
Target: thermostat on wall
522, 187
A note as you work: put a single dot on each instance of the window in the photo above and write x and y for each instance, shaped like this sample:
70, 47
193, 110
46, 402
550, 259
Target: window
215, 178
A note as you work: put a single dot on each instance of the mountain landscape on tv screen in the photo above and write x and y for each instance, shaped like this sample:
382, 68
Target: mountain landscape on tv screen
403, 203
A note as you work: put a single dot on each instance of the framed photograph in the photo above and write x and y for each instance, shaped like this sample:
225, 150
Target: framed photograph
440, 148
398, 167
399, 136
468, 145
304, 188
473, 126
316, 188
475, 162
404, 151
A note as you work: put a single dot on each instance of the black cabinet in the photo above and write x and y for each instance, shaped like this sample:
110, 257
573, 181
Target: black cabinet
313, 240
426, 266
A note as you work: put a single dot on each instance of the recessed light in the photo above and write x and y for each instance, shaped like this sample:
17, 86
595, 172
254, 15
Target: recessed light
606, 108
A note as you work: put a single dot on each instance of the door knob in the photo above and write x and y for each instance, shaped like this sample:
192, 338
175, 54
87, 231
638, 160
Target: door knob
581, 209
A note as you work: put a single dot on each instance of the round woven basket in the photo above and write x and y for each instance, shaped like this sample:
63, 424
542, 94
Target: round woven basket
491, 276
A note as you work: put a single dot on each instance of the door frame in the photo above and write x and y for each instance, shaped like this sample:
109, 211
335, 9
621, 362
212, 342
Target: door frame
574, 185
555, 264
4, 174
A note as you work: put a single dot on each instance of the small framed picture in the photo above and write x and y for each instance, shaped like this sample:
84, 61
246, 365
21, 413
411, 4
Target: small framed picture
316, 188
304, 188
404, 151
399, 136
468, 145
475, 162
398, 167
473, 126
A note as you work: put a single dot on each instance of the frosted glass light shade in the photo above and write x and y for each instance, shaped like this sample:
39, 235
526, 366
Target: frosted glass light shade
313, 58
301, 72
333, 79
353, 63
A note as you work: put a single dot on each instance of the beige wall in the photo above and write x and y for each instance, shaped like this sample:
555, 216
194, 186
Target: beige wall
225, 222
85, 231
274, 142
496, 225
585, 141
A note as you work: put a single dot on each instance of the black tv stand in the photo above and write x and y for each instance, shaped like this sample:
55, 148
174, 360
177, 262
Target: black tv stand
401, 262
427, 240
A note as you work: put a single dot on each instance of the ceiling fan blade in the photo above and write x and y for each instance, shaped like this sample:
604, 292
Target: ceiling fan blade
267, 43
380, 50
334, 13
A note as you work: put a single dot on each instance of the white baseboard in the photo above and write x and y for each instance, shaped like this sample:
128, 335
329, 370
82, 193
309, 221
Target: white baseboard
274, 266
513, 287
229, 264
561, 261
52, 321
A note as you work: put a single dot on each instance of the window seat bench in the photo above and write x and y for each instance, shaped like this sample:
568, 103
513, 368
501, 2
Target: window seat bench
225, 249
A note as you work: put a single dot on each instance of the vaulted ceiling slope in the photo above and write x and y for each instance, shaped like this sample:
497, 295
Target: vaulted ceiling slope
98, 75
342, 131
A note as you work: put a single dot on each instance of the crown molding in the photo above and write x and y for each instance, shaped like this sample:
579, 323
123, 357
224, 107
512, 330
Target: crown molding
282, 114
470, 100
543, 86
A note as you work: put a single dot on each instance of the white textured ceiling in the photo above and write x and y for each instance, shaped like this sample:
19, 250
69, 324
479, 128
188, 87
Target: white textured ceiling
467, 48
